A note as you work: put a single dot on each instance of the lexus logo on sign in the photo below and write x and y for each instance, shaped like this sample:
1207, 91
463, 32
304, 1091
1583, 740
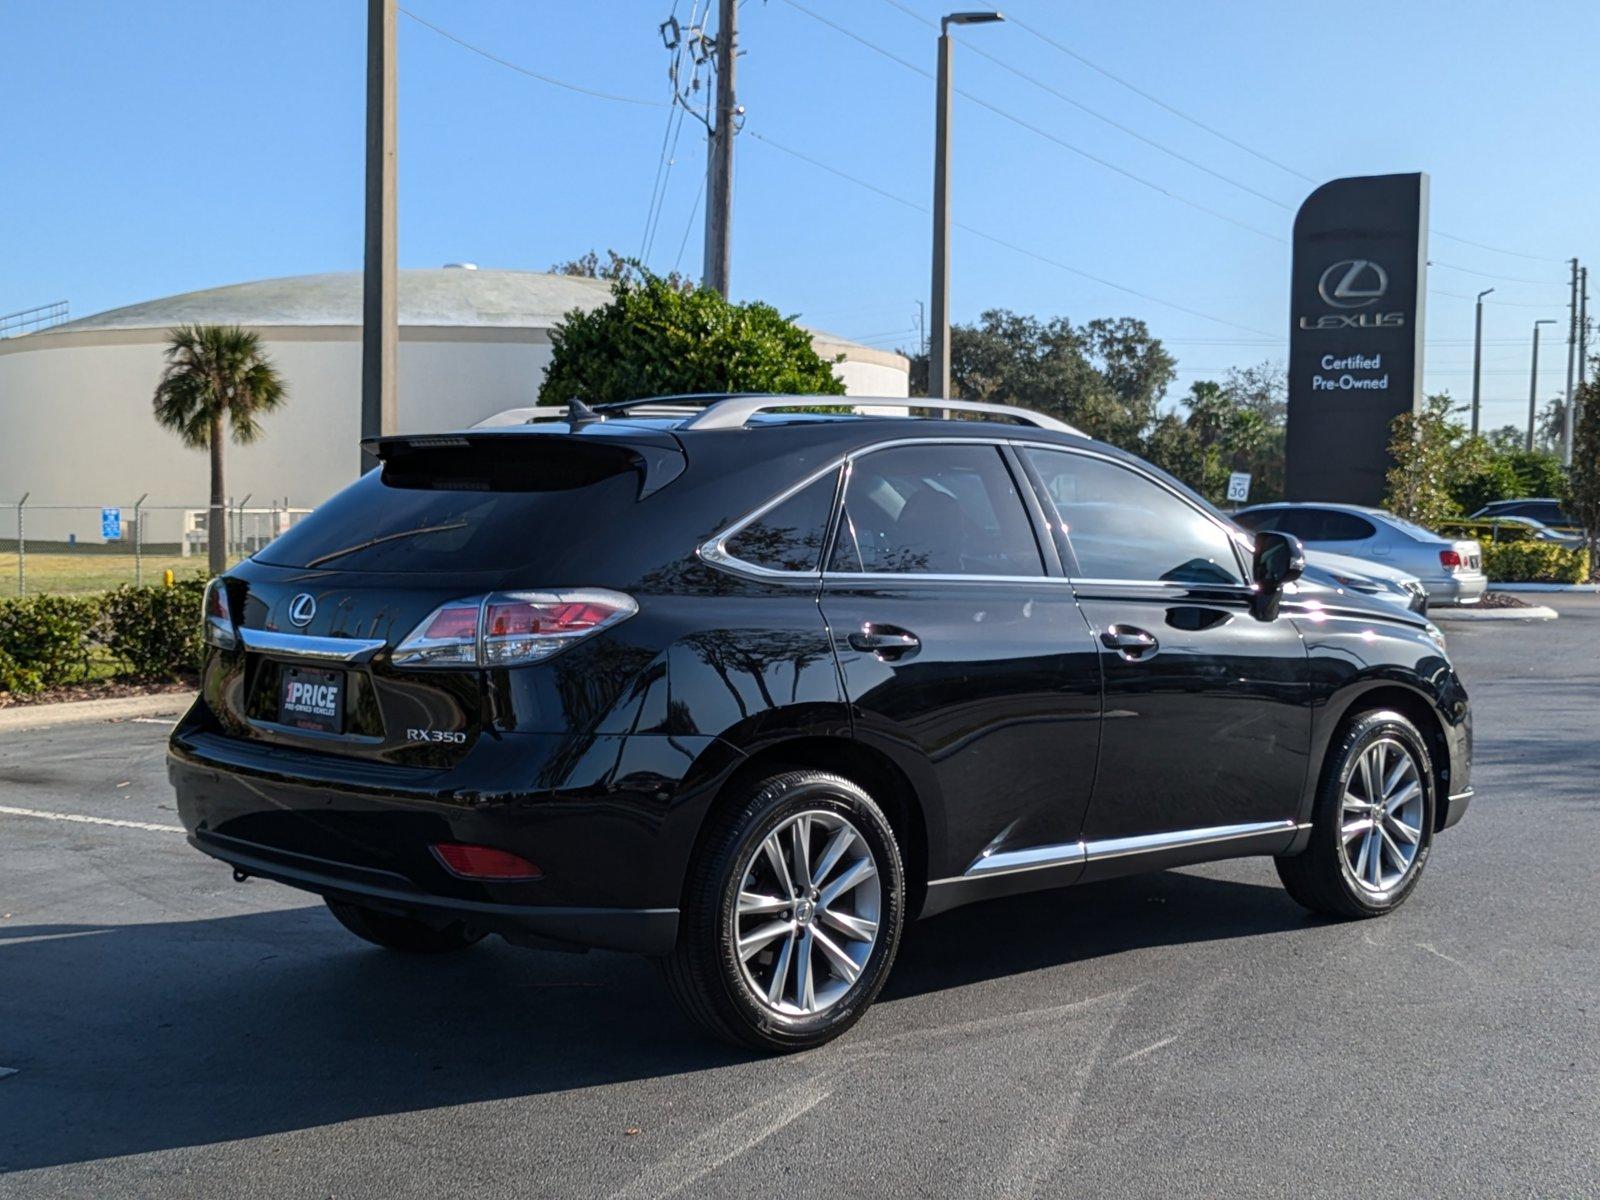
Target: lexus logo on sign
1353, 283
301, 609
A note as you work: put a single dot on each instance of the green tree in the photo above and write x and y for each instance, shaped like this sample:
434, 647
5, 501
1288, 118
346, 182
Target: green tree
614, 268
1477, 475
216, 379
654, 339
1583, 485
1422, 446
1105, 377
1219, 435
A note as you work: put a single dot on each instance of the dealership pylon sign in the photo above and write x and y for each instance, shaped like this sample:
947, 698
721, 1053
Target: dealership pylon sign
1356, 298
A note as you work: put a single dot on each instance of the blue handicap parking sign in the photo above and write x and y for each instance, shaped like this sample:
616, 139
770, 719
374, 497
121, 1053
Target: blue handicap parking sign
111, 524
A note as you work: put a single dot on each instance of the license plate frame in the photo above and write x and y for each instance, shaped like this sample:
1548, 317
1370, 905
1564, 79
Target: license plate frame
304, 704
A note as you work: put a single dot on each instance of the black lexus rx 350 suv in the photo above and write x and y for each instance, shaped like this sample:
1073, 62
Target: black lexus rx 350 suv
745, 689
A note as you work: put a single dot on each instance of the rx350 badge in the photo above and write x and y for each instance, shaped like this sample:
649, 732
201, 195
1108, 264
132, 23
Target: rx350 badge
450, 736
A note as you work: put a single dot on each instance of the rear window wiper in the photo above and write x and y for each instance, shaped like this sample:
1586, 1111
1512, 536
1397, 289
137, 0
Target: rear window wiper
387, 537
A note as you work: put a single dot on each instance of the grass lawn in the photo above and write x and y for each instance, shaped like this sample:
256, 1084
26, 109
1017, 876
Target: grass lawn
65, 573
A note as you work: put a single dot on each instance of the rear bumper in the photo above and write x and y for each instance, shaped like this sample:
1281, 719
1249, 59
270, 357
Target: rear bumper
640, 930
1457, 589
609, 820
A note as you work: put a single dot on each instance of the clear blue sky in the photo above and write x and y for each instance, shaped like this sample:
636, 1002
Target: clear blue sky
161, 147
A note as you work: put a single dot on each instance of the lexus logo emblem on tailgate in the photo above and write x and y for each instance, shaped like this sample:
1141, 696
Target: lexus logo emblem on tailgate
301, 609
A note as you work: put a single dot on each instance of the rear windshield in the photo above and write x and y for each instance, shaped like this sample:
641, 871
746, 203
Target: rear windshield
487, 515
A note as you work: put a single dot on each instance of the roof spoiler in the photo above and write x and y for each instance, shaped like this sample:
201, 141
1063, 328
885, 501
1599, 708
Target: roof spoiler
490, 459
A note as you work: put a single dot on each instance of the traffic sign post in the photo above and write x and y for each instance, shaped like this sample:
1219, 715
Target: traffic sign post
1239, 487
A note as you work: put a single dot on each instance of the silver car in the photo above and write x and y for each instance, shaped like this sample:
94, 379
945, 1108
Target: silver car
1400, 588
1450, 568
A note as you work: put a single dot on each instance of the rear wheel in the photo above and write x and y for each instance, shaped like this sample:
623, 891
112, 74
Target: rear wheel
792, 915
1372, 826
405, 934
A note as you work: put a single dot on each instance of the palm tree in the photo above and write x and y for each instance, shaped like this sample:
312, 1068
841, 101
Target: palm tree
216, 375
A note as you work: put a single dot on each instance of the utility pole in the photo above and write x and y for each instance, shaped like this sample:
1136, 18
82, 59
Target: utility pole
719, 155
380, 327
1477, 359
1583, 325
1533, 380
1572, 350
939, 335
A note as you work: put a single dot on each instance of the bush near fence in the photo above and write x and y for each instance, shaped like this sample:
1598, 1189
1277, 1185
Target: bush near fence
1534, 562
148, 633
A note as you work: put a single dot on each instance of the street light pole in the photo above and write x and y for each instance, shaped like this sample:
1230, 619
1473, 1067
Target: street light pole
380, 328
939, 335
1533, 380
1477, 359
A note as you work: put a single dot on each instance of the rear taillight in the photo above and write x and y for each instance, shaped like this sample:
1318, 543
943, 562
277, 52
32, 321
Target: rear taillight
1450, 558
217, 629
510, 628
484, 862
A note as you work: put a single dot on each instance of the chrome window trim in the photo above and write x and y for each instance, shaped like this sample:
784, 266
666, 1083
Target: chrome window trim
1038, 858
311, 649
714, 551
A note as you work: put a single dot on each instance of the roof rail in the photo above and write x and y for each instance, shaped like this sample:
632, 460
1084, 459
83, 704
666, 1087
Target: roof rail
733, 412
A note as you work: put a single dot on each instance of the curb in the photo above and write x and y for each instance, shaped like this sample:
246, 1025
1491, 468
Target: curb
1591, 588
80, 712
1534, 612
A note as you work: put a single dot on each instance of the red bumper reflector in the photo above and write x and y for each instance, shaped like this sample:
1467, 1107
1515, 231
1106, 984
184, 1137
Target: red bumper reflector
484, 862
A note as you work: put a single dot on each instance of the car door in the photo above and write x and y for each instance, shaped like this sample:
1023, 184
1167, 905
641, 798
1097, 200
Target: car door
1206, 723
963, 652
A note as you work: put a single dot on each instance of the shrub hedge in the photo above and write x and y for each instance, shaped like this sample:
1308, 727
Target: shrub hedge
152, 633
1534, 562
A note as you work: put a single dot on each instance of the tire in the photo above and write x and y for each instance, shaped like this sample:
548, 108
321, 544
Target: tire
733, 996
1324, 876
405, 934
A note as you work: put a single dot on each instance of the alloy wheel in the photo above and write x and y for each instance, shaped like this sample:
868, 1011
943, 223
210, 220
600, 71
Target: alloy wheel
807, 916
1383, 811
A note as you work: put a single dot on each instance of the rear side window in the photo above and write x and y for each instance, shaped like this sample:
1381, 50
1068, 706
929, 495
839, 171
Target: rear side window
935, 510
1262, 518
1122, 525
1345, 527
788, 536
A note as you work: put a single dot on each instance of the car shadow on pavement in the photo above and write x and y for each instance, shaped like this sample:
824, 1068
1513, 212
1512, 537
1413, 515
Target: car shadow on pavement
134, 1038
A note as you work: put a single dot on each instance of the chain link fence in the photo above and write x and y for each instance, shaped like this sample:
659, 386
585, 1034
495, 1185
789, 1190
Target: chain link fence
75, 548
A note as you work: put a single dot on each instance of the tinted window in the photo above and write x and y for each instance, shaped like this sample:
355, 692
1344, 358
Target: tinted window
941, 510
1345, 527
1122, 525
1550, 514
461, 522
1261, 518
788, 537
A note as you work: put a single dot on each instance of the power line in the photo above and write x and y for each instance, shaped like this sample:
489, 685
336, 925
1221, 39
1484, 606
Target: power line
530, 73
1235, 142
1012, 246
1035, 129
1434, 262
1156, 100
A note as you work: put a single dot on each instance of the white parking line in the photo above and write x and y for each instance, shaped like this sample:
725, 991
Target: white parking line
7, 810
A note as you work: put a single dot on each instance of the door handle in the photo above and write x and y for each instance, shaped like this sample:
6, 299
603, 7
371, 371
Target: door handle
888, 642
1131, 643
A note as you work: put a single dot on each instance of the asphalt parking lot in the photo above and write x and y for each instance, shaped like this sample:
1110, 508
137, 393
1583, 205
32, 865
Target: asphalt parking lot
1189, 1033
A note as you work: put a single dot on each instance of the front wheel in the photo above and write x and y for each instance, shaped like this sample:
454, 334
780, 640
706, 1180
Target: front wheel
1372, 825
792, 915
